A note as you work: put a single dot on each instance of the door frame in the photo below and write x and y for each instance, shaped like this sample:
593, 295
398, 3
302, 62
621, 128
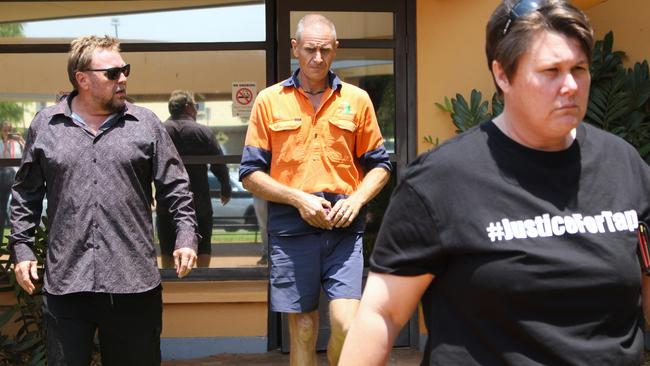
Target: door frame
404, 47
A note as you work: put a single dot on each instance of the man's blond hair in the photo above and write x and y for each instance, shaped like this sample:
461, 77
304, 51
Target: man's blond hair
81, 53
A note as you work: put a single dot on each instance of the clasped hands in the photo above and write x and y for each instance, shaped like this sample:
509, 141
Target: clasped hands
319, 212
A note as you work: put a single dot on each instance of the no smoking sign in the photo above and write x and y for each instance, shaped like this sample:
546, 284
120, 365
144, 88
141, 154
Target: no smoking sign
243, 95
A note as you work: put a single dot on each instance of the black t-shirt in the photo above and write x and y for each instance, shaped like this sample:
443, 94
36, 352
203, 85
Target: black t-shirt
534, 253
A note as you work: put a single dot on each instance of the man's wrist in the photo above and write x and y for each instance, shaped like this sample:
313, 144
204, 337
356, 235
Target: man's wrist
187, 238
354, 197
21, 252
296, 197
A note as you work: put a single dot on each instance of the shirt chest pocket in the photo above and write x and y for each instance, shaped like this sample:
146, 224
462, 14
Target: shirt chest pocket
287, 141
341, 138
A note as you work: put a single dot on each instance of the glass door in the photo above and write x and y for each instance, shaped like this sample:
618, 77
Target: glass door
372, 54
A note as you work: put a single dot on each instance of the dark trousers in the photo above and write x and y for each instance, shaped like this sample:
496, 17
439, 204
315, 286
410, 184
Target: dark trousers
128, 327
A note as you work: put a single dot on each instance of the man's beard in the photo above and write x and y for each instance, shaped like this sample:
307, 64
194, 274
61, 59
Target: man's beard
115, 105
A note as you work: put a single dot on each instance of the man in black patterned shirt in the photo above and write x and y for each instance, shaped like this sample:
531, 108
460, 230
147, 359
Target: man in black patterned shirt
95, 156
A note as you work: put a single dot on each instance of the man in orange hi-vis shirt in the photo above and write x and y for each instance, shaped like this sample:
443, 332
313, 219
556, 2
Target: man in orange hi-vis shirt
315, 152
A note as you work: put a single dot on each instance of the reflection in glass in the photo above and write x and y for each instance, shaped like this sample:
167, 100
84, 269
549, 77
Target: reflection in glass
147, 25
11, 147
354, 25
236, 240
36, 78
373, 71
376, 209
192, 139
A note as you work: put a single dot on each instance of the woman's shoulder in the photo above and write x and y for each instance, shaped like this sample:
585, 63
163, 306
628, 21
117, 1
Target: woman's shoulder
603, 141
450, 157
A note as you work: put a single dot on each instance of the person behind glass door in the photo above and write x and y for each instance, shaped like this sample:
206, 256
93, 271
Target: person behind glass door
261, 213
314, 150
95, 156
518, 235
11, 147
191, 138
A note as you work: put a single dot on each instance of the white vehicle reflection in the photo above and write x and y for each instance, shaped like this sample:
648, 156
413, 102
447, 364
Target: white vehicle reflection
239, 213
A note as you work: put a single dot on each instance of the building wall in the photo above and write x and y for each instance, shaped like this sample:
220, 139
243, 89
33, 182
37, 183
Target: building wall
630, 21
190, 309
202, 318
450, 59
205, 318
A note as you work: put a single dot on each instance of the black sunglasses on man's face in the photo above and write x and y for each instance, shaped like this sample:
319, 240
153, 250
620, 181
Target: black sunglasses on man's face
113, 73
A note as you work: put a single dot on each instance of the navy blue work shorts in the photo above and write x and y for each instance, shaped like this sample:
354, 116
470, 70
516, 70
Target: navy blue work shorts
300, 265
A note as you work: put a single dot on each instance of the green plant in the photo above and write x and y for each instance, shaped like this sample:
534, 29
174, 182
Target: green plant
429, 140
11, 30
9, 110
619, 99
466, 115
27, 347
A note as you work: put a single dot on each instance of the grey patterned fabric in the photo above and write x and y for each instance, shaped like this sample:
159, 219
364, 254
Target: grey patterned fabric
99, 197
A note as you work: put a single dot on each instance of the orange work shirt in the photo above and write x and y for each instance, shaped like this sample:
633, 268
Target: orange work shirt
327, 150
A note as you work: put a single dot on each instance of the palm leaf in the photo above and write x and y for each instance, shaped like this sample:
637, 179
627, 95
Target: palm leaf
6, 315
638, 83
609, 101
28, 343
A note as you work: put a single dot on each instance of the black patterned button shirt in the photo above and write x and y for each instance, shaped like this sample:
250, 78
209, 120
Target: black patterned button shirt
99, 196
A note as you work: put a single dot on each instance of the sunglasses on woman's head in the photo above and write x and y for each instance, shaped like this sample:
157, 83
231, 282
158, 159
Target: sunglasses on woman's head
521, 8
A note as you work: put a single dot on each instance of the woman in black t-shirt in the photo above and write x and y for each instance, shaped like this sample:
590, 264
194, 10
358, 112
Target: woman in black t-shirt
519, 235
